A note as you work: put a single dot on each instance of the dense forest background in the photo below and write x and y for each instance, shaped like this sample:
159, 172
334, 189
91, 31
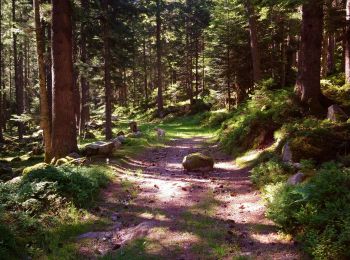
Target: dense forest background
268, 80
149, 54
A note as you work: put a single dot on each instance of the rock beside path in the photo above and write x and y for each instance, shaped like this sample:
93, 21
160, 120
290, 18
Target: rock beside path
198, 162
336, 114
296, 178
99, 148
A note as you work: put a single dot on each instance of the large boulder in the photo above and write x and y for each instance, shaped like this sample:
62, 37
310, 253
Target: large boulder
198, 162
336, 114
99, 148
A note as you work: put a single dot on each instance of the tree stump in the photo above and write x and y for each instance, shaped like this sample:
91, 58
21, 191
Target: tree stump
133, 127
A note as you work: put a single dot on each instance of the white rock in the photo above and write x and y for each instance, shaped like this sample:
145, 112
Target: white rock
99, 148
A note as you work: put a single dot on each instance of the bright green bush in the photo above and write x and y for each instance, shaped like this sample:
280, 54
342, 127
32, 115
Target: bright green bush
270, 172
215, 119
318, 211
78, 184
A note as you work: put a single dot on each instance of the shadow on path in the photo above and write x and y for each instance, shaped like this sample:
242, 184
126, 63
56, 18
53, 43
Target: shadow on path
161, 212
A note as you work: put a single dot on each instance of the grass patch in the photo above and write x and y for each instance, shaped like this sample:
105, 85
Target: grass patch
200, 220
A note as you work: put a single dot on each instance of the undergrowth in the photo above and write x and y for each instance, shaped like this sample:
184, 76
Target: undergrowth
46, 208
316, 211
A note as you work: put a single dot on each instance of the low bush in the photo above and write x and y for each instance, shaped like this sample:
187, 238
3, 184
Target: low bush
216, 118
45, 199
270, 172
335, 88
254, 123
319, 140
317, 211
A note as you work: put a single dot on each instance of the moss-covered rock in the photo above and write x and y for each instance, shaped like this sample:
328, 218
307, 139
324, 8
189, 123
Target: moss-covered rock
321, 144
198, 162
36, 167
63, 161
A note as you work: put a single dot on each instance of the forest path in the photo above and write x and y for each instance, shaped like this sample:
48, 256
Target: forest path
160, 212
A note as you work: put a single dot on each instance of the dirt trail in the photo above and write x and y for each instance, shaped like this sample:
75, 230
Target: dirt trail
160, 212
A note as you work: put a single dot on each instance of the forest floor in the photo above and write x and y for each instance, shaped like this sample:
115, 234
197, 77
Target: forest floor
159, 211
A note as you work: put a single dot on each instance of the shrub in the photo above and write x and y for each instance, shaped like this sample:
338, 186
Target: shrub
270, 172
253, 124
215, 119
319, 140
41, 202
317, 211
79, 184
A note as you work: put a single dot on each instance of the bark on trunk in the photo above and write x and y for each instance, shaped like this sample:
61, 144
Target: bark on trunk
159, 61
44, 104
18, 86
308, 81
254, 46
145, 81
64, 134
48, 59
330, 56
107, 73
324, 63
85, 111
347, 43
1, 88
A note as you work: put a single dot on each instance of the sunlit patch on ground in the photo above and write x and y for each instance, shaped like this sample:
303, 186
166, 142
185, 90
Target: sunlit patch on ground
166, 213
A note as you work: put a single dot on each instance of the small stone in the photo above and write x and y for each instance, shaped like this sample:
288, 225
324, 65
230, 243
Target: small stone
287, 153
336, 114
296, 178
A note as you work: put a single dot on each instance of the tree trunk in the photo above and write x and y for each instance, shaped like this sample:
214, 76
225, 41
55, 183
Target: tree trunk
85, 111
44, 104
330, 55
254, 42
48, 59
145, 81
308, 81
203, 64
159, 60
18, 87
107, 73
64, 133
76, 77
324, 61
1, 88
189, 53
347, 43
197, 68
